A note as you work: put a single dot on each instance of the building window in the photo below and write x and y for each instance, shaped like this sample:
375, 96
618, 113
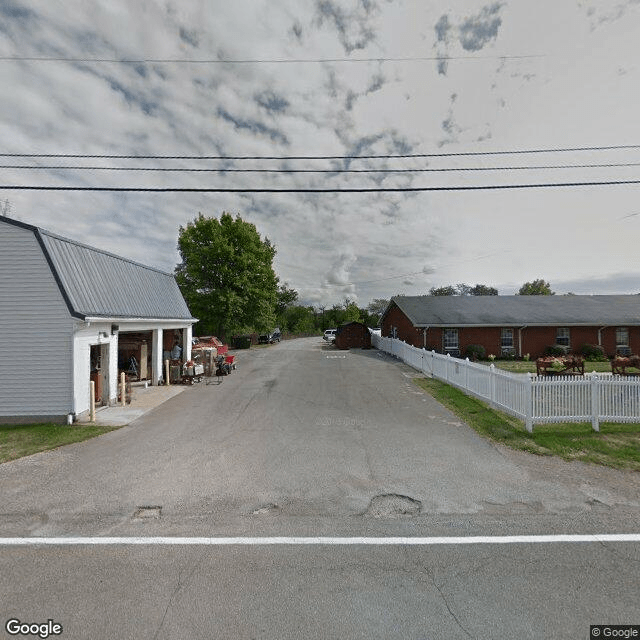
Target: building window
450, 340
563, 337
622, 341
506, 341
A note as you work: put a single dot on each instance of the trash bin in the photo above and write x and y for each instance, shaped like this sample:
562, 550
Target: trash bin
242, 342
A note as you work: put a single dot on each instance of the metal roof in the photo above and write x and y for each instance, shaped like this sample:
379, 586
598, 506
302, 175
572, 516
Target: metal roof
504, 311
95, 283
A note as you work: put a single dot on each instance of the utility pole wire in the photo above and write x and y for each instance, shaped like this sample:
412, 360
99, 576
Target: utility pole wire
263, 60
233, 170
304, 190
361, 157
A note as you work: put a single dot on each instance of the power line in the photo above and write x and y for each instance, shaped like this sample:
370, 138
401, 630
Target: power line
233, 170
310, 190
345, 157
415, 273
262, 60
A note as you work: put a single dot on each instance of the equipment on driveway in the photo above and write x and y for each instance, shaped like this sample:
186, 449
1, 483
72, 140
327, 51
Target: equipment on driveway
224, 365
192, 372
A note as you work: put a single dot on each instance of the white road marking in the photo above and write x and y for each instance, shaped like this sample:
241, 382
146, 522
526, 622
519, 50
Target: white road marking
296, 541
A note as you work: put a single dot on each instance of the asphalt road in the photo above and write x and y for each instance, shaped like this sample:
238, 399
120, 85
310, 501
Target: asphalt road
306, 441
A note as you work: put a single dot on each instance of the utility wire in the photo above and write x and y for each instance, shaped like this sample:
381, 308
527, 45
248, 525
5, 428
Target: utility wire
305, 190
415, 273
347, 157
222, 170
262, 60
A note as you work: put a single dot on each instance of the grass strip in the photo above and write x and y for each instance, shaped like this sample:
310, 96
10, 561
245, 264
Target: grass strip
24, 440
615, 445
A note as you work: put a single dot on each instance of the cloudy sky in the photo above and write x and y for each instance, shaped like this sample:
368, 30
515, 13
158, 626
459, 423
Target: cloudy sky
340, 78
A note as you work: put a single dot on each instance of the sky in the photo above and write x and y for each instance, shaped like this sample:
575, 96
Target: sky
346, 79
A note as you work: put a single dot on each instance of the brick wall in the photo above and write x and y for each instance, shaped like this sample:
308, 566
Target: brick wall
534, 339
404, 330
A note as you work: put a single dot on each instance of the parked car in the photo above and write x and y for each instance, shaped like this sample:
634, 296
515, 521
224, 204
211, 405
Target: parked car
270, 338
329, 335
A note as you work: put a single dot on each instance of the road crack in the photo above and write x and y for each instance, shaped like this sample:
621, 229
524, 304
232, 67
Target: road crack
179, 585
452, 613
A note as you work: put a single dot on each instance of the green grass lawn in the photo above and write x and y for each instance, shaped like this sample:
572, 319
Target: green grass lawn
615, 445
25, 440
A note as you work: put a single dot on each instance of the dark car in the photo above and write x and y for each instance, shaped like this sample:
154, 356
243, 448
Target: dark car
270, 338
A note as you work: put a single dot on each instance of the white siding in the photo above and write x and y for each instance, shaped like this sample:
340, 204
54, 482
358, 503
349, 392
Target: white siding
84, 337
36, 332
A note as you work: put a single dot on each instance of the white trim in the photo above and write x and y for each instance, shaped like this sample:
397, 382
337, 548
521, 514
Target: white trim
334, 541
182, 321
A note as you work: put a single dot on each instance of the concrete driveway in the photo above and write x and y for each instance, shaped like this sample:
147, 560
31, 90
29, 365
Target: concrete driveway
303, 440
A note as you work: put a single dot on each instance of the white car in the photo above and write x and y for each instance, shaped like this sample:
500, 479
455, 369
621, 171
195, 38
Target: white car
329, 335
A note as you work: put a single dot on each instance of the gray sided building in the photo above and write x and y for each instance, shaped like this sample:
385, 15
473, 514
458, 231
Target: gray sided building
67, 311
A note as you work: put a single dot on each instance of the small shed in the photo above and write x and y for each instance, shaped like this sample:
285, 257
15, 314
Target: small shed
353, 335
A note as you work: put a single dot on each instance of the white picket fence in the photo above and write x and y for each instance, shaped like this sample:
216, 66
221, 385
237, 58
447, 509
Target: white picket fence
534, 399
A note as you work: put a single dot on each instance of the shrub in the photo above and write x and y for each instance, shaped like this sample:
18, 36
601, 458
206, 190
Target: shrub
476, 352
593, 353
556, 350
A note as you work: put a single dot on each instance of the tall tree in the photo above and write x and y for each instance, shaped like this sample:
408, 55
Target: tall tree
373, 313
285, 297
226, 275
536, 288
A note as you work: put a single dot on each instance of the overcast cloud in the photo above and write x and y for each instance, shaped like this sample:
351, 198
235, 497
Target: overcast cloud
483, 76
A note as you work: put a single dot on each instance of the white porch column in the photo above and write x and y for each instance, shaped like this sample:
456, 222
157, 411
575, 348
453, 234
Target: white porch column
187, 334
156, 356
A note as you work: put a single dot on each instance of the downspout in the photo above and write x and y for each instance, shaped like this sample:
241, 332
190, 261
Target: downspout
520, 330
600, 334
424, 337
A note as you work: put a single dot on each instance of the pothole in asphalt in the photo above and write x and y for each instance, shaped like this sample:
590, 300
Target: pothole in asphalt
513, 508
270, 507
393, 505
149, 512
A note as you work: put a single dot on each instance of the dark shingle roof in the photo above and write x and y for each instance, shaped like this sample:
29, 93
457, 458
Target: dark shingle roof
459, 311
100, 284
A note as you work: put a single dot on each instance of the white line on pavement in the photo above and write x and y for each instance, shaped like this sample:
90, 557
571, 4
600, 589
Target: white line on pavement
293, 540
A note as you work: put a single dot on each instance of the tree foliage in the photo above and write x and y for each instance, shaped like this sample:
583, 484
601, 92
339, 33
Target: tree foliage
226, 275
536, 288
298, 319
285, 297
449, 290
483, 290
463, 289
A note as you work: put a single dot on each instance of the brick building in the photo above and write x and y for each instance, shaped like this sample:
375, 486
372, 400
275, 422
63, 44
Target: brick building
515, 325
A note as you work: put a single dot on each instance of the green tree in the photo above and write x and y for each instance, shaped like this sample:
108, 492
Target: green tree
536, 288
377, 306
449, 290
226, 275
285, 297
462, 289
351, 313
298, 319
483, 290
